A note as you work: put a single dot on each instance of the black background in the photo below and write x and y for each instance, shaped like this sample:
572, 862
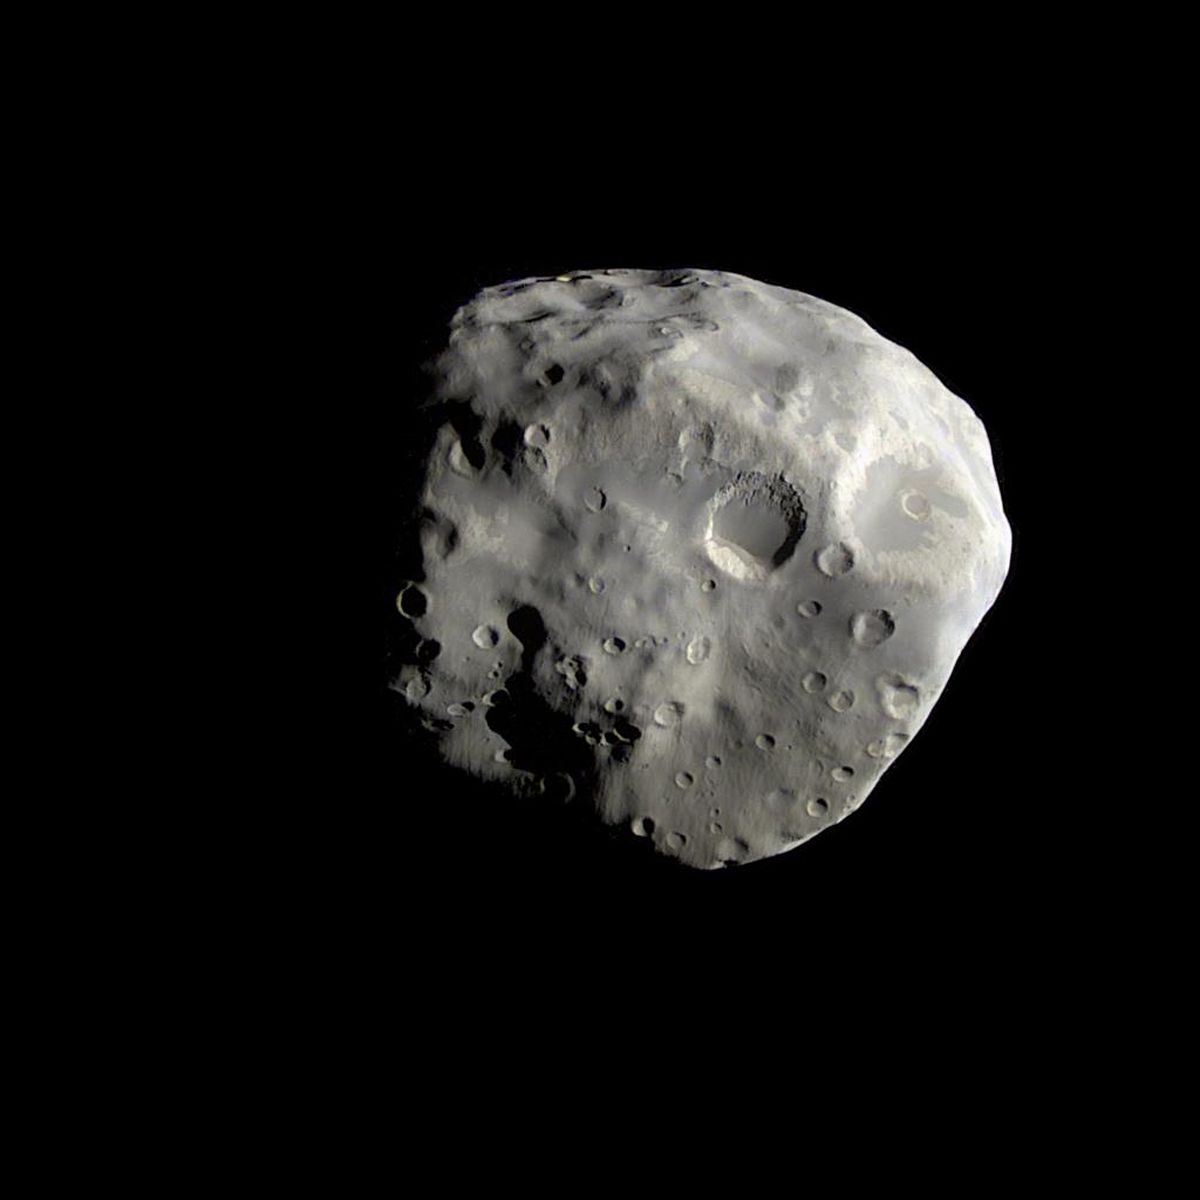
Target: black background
954, 867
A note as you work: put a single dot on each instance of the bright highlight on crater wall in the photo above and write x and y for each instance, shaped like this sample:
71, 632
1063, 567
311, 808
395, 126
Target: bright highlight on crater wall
696, 551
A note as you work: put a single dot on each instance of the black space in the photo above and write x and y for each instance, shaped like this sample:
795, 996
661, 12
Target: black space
953, 860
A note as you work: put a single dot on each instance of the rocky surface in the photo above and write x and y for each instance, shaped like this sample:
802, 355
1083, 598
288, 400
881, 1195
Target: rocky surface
697, 551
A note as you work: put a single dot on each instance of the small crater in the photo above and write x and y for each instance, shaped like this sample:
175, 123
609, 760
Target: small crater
537, 436
781, 798
615, 705
716, 827
416, 689
596, 585
765, 741
506, 441
842, 774
412, 602
814, 682
871, 629
559, 787
460, 710
834, 560
462, 462
572, 671
712, 762
553, 374
643, 826
614, 645
842, 701
915, 505
485, 637
594, 500
817, 807
898, 698
731, 851
698, 650
708, 585
676, 841
668, 714
684, 780
626, 730
438, 536
887, 747
809, 608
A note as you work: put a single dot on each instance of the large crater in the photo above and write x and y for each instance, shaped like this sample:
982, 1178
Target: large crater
754, 525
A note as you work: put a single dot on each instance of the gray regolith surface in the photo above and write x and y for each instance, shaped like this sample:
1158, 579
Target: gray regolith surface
698, 552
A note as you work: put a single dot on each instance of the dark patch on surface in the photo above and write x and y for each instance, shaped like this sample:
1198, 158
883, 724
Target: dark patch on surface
507, 441
467, 423
526, 625
540, 740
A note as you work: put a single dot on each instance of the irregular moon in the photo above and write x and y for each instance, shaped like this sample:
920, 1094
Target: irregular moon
698, 551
